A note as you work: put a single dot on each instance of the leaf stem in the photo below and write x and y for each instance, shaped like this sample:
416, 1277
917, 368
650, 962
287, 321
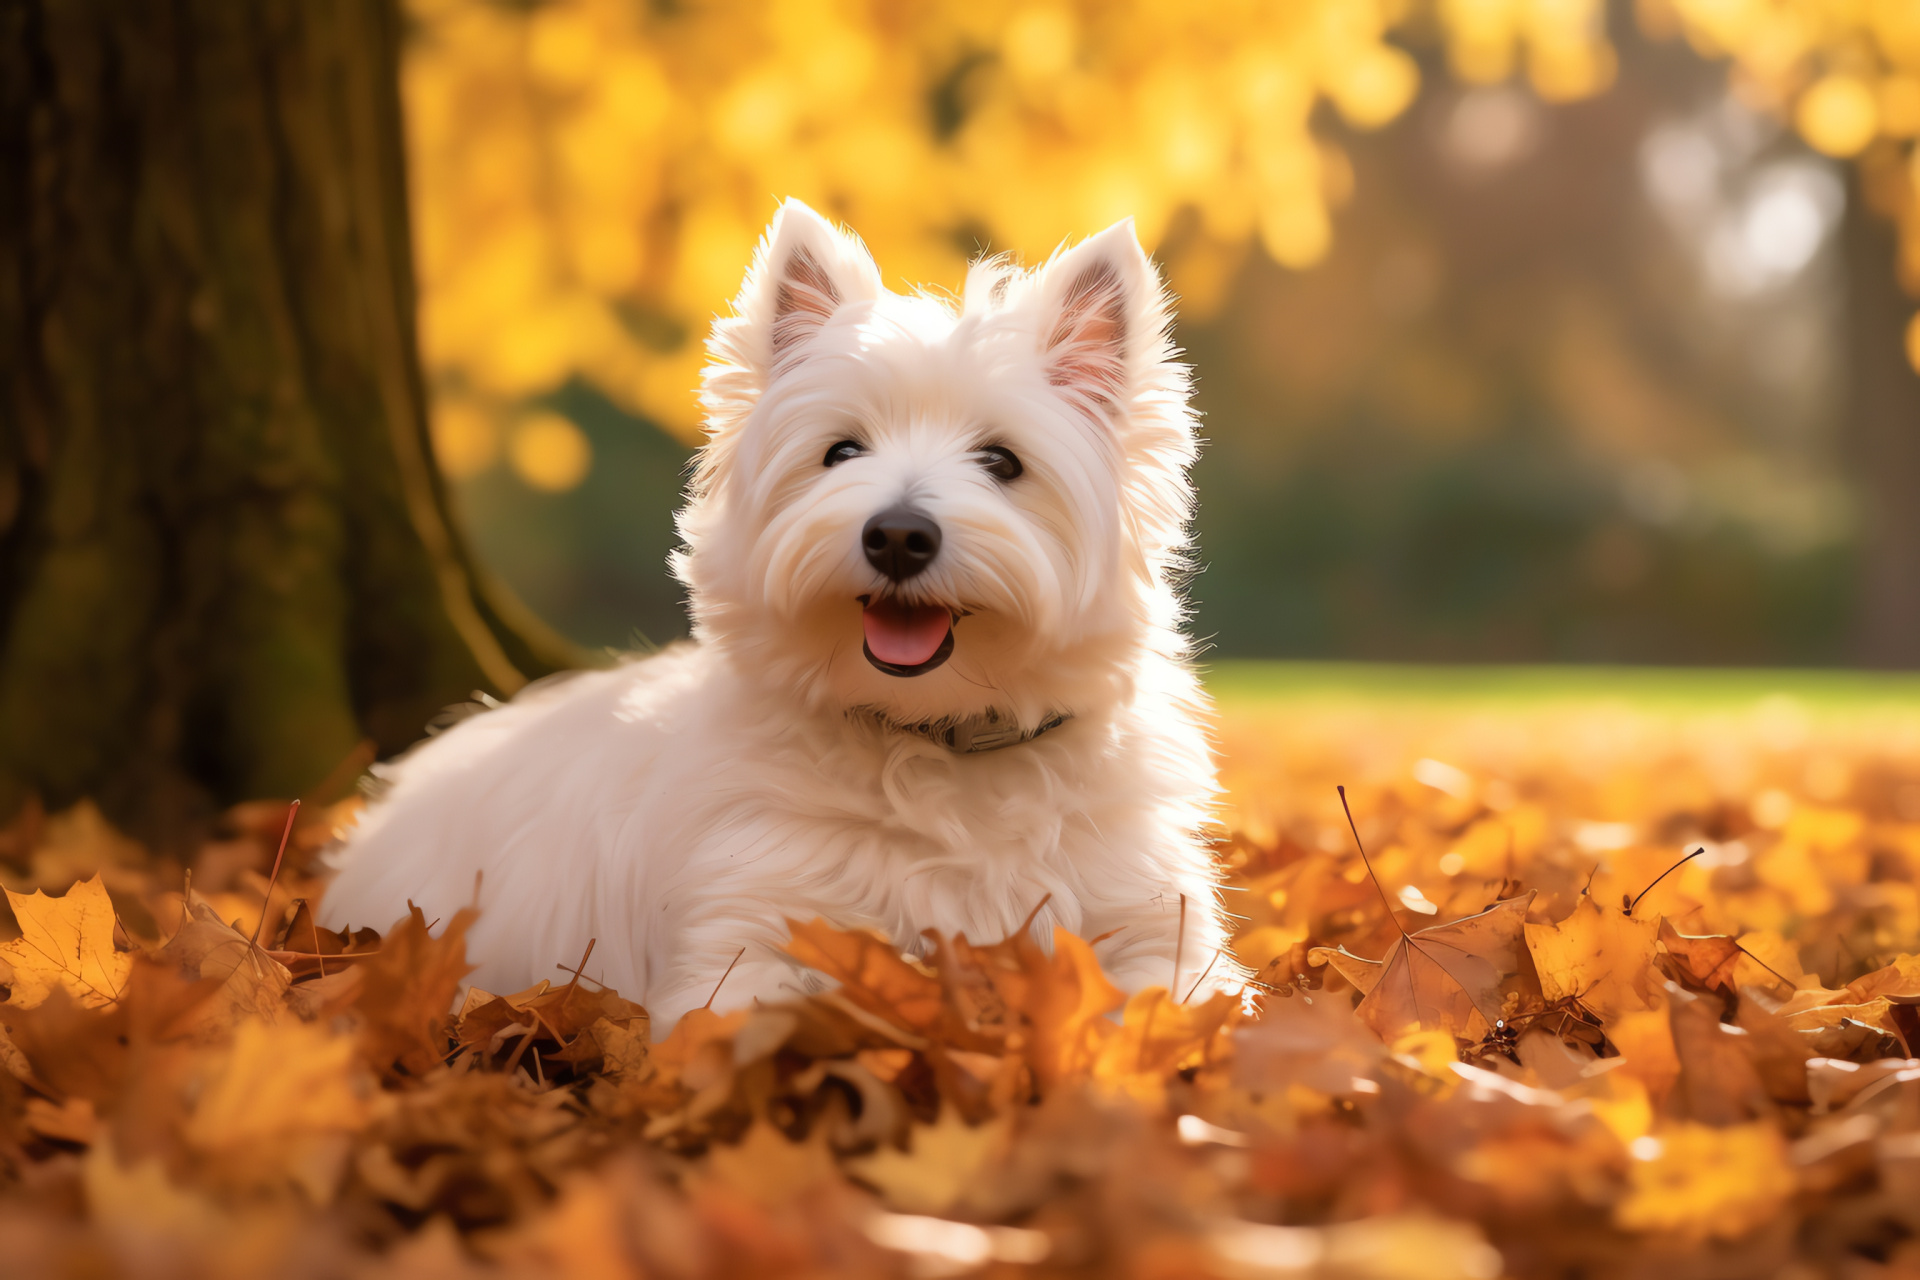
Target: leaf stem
1764, 965
1202, 978
717, 985
1663, 875
589, 955
1032, 915
1368, 862
1179, 945
293, 811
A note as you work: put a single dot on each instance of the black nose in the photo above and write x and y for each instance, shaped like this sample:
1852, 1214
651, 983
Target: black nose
900, 543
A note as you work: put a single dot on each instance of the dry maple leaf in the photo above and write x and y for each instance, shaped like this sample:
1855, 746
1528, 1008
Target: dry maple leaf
280, 1107
871, 972
1899, 980
1716, 961
279, 1080
1850, 1030
1709, 960
1460, 977
1160, 1037
1314, 1041
72, 1049
1066, 1003
66, 942
571, 1024
408, 991
307, 949
1456, 977
251, 983
1600, 957
979, 996
1719, 1080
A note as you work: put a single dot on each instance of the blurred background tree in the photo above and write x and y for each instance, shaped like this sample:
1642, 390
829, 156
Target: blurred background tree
1595, 353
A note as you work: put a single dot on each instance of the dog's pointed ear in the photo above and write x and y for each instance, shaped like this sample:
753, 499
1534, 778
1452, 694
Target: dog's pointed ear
804, 272
1099, 316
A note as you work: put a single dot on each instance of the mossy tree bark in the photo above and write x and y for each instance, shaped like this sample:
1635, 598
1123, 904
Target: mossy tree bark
225, 556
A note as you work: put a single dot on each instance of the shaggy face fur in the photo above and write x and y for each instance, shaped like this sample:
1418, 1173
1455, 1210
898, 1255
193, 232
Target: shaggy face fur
909, 515
1059, 576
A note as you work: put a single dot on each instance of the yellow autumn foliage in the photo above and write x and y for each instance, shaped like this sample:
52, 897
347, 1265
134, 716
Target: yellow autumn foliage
590, 175
65, 943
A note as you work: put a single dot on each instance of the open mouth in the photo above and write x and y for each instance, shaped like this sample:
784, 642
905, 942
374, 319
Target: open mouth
906, 639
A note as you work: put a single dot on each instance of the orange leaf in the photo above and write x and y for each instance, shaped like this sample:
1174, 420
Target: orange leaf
408, 991
871, 973
1457, 977
1716, 961
1599, 956
66, 942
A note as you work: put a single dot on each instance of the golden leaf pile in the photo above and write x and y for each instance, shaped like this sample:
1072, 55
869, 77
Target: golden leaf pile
1520, 1050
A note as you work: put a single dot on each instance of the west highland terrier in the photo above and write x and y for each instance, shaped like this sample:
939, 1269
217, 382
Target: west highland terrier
937, 678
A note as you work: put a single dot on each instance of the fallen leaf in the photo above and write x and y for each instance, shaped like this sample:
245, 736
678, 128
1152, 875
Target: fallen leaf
1844, 1030
251, 983
1066, 1004
1599, 957
307, 949
66, 942
1718, 962
1644, 1040
871, 972
281, 1080
1160, 1037
1319, 1043
1458, 977
768, 1167
1898, 980
1701, 1181
1719, 1080
940, 1165
571, 1025
405, 1004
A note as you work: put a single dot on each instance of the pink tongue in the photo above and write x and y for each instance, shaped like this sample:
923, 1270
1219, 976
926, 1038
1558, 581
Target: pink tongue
905, 635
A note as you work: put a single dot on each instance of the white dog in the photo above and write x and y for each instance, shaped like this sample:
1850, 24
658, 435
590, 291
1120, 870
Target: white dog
937, 676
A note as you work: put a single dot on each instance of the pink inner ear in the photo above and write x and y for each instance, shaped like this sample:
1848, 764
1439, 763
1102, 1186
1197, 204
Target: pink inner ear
1087, 349
803, 301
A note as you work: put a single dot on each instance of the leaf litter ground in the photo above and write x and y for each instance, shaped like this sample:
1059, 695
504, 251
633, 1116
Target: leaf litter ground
1521, 1034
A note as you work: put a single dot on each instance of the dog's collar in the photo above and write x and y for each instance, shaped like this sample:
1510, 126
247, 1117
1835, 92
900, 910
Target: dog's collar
973, 734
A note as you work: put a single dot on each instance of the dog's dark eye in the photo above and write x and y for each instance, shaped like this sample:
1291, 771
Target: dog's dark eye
1001, 463
843, 450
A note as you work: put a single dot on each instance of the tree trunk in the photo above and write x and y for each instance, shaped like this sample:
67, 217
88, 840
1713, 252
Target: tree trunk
1883, 416
225, 555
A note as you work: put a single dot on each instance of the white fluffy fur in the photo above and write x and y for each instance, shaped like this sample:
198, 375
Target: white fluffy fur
680, 807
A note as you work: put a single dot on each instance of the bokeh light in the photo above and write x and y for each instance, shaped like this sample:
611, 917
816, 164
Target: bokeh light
550, 453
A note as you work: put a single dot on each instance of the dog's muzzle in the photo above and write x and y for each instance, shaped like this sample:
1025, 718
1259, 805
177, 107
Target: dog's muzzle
900, 543
904, 639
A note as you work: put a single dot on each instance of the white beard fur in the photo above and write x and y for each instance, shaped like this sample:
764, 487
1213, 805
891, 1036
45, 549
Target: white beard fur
680, 808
